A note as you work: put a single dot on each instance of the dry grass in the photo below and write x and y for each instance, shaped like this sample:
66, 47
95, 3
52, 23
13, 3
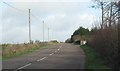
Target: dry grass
10, 50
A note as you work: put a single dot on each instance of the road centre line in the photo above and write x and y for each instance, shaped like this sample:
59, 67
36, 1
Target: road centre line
42, 59
23, 66
51, 54
55, 51
37, 60
60, 46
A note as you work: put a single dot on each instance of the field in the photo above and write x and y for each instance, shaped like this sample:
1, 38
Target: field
13, 50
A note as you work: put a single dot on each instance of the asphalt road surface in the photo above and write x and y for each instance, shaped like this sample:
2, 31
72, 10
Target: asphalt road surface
59, 56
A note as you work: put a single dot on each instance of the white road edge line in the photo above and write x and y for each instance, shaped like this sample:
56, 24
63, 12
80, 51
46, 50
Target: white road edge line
60, 46
55, 51
51, 54
23, 66
42, 59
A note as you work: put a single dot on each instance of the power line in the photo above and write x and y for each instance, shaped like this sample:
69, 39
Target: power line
15, 7
35, 17
43, 25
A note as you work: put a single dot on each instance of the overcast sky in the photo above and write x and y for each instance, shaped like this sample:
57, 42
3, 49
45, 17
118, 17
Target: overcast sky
62, 18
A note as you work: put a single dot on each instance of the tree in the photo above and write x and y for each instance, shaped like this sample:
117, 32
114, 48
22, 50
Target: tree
105, 40
109, 12
81, 31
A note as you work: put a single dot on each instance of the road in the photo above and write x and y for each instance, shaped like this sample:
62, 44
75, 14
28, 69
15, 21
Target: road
59, 56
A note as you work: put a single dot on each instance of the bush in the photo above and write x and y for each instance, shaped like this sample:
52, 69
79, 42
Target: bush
105, 42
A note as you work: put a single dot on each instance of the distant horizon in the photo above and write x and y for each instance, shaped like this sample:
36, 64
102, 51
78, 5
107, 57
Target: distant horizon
27, 42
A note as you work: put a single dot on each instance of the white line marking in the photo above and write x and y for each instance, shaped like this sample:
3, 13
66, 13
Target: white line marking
55, 51
42, 59
58, 49
60, 46
51, 54
24, 66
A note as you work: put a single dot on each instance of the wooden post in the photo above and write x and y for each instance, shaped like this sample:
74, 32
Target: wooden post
29, 28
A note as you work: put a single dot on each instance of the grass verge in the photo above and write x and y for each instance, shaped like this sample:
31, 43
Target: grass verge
22, 53
93, 61
0, 57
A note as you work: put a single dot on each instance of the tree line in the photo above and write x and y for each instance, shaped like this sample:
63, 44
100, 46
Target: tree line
104, 36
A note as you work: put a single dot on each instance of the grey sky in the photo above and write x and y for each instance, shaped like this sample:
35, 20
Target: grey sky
63, 18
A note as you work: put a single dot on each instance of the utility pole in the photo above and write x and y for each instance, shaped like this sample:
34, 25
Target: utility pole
110, 21
43, 31
52, 34
102, 14
29, 28
48, 34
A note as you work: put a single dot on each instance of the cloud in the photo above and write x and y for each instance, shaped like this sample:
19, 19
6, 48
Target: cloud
87, 20
63, 18
15, 35
47, 0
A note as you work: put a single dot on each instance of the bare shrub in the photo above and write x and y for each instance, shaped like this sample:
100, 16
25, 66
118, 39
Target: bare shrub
105, 42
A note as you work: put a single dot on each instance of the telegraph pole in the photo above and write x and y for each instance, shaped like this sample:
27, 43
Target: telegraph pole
43, 31
29, 28
52, 34
48, 34
102, 15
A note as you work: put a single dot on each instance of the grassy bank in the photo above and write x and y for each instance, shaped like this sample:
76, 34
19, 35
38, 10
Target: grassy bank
19, 50
93, 61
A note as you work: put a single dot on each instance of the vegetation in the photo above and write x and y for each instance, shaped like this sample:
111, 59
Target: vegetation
53, 41
93, 61
79, 34
81, 31
104, 37
13, 50
105, 42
